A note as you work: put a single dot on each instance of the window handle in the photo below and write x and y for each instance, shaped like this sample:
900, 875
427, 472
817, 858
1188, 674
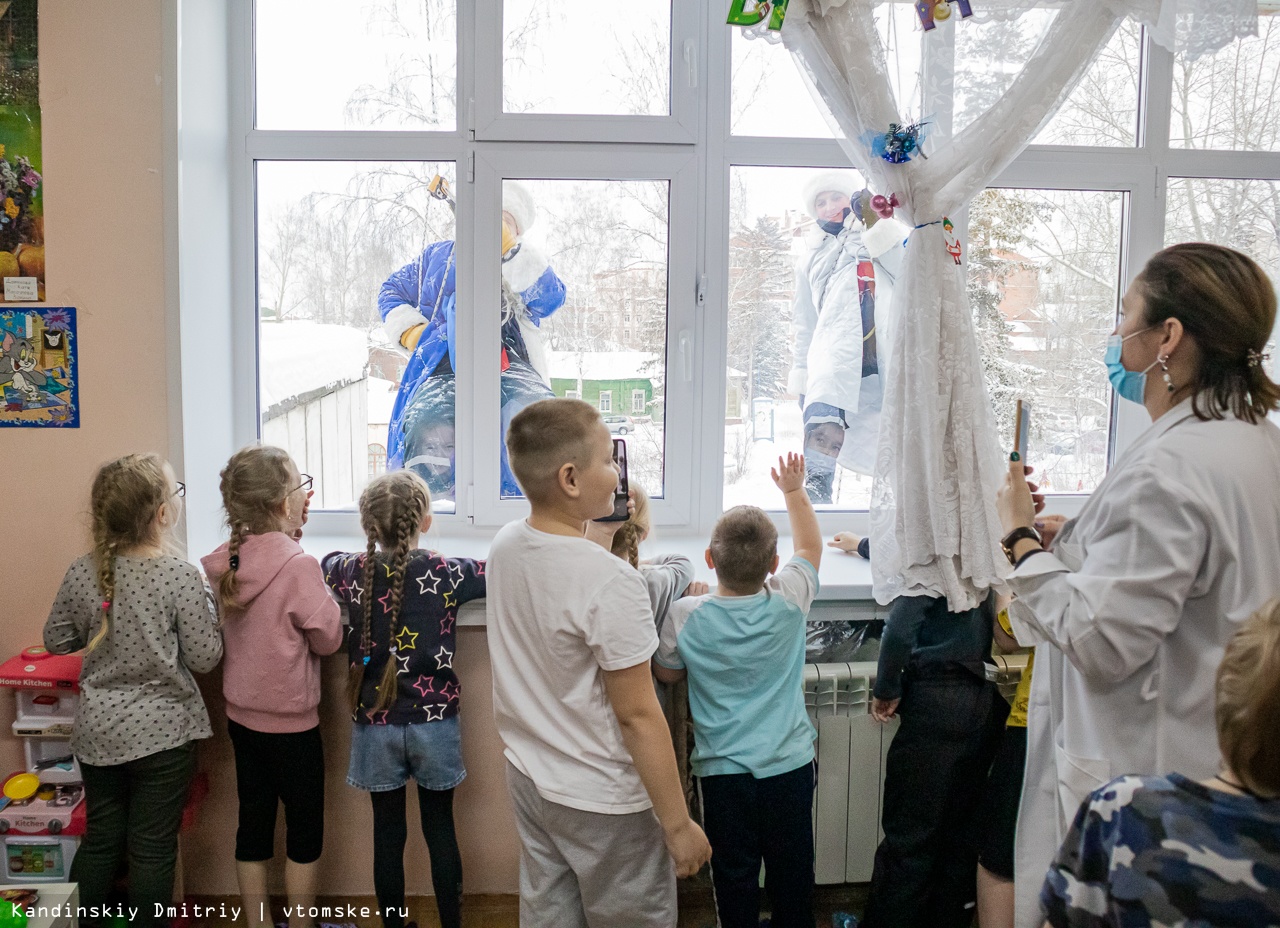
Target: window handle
686, 355
691, 62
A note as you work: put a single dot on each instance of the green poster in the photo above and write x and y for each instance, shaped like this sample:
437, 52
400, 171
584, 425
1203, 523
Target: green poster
21, 182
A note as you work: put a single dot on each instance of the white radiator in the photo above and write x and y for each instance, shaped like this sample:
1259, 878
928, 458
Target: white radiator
851, 748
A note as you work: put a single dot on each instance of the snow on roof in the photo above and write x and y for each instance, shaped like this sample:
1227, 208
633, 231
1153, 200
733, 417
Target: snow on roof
297, 357
604, 365
382, 396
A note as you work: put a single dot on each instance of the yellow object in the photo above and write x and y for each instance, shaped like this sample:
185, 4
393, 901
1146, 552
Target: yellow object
409, 338
942, 11
21, 786
1022, 696
508, 238
31, 260
8, 264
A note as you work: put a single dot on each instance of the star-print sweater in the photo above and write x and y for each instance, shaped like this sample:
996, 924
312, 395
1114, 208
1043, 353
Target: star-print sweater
435, 588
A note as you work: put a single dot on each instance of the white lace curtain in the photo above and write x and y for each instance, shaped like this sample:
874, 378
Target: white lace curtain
934, 528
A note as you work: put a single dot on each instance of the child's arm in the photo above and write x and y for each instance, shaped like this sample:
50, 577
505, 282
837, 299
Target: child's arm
645, 733
806, 536
896, 644
67, 628
199, 641
313, 611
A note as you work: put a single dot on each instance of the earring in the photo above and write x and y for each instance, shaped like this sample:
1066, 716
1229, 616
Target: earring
1164, 366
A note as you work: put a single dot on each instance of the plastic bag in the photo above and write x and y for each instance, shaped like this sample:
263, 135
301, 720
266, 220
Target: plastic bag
843, 640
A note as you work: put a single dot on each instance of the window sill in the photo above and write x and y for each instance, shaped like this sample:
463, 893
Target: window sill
843, 578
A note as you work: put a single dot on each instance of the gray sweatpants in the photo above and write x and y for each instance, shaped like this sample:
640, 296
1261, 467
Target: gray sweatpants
590, 870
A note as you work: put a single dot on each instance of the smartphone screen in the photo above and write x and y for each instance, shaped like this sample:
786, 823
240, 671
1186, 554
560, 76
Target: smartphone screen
1022, 428
624, 488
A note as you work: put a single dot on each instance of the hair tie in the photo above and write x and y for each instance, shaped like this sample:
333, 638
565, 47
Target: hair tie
235, 562
106, 605
1255, 357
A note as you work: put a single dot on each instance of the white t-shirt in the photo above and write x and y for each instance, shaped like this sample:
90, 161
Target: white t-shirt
561, 611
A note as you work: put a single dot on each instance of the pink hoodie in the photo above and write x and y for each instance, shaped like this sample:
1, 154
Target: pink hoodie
273, 645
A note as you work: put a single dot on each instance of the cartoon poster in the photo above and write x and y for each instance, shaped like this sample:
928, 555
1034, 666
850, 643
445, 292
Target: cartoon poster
21, 184
38, 368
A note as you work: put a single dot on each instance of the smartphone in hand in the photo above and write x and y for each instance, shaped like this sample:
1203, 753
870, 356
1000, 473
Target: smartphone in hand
1022, 429
623, 492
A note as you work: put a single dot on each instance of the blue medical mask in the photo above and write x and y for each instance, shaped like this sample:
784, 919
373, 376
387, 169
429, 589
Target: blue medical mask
1131, 385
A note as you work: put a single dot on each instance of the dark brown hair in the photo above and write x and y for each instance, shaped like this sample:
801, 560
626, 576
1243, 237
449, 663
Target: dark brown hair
1248, 707
392, 508
545, 436
127, 493
743, 546
1227, 306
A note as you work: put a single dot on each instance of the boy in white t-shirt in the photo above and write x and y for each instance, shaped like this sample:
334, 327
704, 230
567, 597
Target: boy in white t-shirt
603, 825
743, 650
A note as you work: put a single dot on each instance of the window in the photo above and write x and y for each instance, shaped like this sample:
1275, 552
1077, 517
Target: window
630, 223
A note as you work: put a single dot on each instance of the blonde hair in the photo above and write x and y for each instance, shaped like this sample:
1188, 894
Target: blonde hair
1248, 706
546, 435
744, 543
1227, 306
254, 484
126, 496
392, 508
626, 541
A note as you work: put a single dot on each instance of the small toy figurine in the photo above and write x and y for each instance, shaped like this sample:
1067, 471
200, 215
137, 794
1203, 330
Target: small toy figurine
932, 12
951, 240
740, 16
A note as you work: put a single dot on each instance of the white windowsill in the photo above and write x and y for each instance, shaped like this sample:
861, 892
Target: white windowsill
845, 579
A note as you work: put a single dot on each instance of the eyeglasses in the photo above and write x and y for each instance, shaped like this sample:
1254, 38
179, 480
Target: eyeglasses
307, 481
181, 491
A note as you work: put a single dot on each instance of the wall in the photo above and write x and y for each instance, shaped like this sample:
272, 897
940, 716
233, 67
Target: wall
106, 176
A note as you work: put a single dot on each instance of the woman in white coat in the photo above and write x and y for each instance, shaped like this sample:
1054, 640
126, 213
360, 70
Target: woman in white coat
843, 286
1132, 608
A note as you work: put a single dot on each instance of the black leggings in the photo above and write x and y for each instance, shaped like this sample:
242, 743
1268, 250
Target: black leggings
389, 834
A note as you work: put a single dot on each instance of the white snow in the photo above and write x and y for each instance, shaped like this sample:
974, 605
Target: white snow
603, 365
382, 396
299, 356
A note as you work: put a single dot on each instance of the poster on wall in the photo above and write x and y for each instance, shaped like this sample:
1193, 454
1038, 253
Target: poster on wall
38, 368
21, 163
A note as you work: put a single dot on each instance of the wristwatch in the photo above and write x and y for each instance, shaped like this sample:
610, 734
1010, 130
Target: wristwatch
1019, 533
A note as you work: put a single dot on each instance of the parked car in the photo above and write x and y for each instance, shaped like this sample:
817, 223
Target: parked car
620, 425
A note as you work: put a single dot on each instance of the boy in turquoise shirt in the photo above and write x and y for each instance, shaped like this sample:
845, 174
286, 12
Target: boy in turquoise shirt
742, 648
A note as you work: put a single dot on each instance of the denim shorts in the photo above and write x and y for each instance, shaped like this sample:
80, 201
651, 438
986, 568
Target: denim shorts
385, 757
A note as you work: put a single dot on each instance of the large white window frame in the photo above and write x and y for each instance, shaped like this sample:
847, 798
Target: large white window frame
693, 150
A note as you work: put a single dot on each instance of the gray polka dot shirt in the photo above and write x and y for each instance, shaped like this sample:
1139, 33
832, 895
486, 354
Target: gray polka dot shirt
137, 694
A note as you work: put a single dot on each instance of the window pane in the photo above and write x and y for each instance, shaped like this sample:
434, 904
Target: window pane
1043, 281
586, 57
338, 248
770, 98
355, 64
1240, 214
1228, 100
786, 340
589, 251
1103, 109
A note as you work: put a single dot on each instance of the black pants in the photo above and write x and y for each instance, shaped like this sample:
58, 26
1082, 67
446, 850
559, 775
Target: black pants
133, 809
389, 834
274, 768
926, 866
770, 819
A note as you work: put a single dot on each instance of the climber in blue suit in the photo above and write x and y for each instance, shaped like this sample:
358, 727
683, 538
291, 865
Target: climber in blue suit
418, 305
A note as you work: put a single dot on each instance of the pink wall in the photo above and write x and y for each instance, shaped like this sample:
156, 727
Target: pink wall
102, 95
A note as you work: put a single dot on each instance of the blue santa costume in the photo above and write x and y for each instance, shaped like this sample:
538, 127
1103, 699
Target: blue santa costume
424, 292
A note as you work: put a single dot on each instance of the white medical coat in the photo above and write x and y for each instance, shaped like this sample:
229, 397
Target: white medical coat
1130, 615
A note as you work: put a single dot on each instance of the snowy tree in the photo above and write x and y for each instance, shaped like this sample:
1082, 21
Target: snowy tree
760, 284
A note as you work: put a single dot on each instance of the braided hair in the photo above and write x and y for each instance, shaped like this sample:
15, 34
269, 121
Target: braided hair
392, 509
126, 496
254, 484
626, 541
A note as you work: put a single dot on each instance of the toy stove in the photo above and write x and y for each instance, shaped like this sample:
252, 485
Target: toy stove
39, 831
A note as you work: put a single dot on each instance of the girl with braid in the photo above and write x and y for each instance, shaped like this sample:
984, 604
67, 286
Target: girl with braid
146, 622
403, 604
278, 621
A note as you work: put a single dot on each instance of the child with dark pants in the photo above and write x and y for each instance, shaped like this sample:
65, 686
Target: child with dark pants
403, 692
932, 673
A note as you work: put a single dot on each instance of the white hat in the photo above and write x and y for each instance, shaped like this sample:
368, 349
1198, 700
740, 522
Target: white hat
517, 201
842, 182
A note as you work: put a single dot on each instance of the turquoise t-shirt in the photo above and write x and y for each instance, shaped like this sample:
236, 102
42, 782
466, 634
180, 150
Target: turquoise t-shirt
745, 660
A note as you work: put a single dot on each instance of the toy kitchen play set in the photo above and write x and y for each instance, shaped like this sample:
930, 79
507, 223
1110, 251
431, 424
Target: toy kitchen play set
42, 811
